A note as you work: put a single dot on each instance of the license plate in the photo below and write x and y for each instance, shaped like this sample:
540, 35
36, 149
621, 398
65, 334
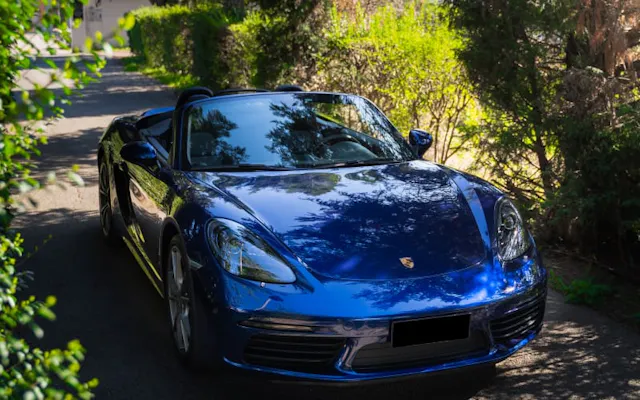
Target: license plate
430, 330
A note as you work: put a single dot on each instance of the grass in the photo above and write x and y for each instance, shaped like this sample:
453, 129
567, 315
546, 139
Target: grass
581, 291
582, 282
171, 79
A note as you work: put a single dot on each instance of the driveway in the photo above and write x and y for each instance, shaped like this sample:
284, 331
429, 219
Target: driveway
105, 300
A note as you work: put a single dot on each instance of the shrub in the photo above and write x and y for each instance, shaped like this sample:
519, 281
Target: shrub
288, 33
27, 371
274, 43
561, 128
405, 62
189, 41
580, 291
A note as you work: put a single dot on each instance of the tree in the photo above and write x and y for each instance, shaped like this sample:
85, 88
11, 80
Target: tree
404, 61
560, 129
27, 371
511, 52
286, 32
606, 33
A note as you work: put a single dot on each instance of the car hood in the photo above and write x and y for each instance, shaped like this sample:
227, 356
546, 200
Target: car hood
395, 221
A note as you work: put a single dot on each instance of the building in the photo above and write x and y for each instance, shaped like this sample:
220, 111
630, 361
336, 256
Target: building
102, 16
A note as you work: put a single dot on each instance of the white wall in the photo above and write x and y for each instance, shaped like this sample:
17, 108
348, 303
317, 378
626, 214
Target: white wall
102, 15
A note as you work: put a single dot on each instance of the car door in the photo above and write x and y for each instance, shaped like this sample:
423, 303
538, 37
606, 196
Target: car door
150, 193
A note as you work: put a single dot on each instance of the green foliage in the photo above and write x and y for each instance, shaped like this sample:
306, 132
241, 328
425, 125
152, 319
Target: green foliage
581, 291
585, 291
406, 63
27, 371
288, 37
196, 43
172, 79
509, 49
556, 281
222, 48
564, 141
600, 191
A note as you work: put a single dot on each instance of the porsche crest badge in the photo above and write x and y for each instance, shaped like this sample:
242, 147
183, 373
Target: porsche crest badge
407, 262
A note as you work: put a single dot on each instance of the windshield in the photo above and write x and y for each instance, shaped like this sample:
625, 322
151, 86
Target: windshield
291, 130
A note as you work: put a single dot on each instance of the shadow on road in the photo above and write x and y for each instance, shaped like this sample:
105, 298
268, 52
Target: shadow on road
63, 151
579, 354
116, 93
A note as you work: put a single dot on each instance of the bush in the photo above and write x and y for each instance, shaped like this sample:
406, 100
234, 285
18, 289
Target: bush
581, 291
27, 371
188, 41
273, 44
597, 206
289, 34
405, 62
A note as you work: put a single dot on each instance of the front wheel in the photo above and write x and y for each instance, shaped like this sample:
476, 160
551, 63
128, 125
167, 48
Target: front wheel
191, 327
104, 202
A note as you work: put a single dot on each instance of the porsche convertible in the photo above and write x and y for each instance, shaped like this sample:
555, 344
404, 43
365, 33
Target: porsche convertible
298, 233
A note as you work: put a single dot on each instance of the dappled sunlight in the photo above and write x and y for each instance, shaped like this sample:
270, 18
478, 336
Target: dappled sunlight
63, 151
572, 357
116, 93
36, 223
106, 301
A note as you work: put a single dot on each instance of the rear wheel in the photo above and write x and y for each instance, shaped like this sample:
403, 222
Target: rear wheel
104, 202
191, 327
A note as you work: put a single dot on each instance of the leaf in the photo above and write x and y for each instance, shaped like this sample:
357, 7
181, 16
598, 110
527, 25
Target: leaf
75, 178
50, 63
88, 44
24, 187
108, 50
50, 301
129, 22
46, 313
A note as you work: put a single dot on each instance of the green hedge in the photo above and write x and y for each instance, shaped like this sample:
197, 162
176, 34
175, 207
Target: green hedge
203, 42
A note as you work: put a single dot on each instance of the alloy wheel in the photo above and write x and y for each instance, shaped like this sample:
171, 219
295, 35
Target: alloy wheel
104, 197
179, 301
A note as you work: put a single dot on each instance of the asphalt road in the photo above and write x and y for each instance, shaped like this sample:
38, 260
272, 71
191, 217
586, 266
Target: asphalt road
105, 300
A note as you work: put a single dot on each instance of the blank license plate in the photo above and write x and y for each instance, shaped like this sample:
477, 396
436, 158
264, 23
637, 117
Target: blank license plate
430, 330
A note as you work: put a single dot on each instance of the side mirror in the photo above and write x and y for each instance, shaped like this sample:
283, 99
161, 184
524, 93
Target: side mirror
140, 153
420, 141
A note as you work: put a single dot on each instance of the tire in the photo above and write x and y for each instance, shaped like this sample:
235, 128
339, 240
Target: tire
104, 204
192, 335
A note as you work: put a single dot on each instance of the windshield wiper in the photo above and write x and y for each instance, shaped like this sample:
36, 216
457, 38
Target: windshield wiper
242, 167
373, 161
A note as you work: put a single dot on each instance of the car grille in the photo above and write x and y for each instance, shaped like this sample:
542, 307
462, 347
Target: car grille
516, 325
296, 353
384, 357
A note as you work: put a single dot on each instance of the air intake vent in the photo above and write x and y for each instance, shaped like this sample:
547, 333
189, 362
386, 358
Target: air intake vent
297, 353
384, 357
516, 325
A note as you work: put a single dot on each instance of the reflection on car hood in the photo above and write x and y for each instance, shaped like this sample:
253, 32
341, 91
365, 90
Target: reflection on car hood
393, 221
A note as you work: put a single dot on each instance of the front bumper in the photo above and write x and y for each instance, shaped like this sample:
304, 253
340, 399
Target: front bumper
278, 329
360, 350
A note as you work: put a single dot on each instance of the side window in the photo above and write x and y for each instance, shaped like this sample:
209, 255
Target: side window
210, 139
160, 136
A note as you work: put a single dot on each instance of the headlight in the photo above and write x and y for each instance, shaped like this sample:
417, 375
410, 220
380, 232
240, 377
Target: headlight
244, 254
511, 235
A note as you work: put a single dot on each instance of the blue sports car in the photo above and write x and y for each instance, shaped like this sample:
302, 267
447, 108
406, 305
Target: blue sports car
297, 233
